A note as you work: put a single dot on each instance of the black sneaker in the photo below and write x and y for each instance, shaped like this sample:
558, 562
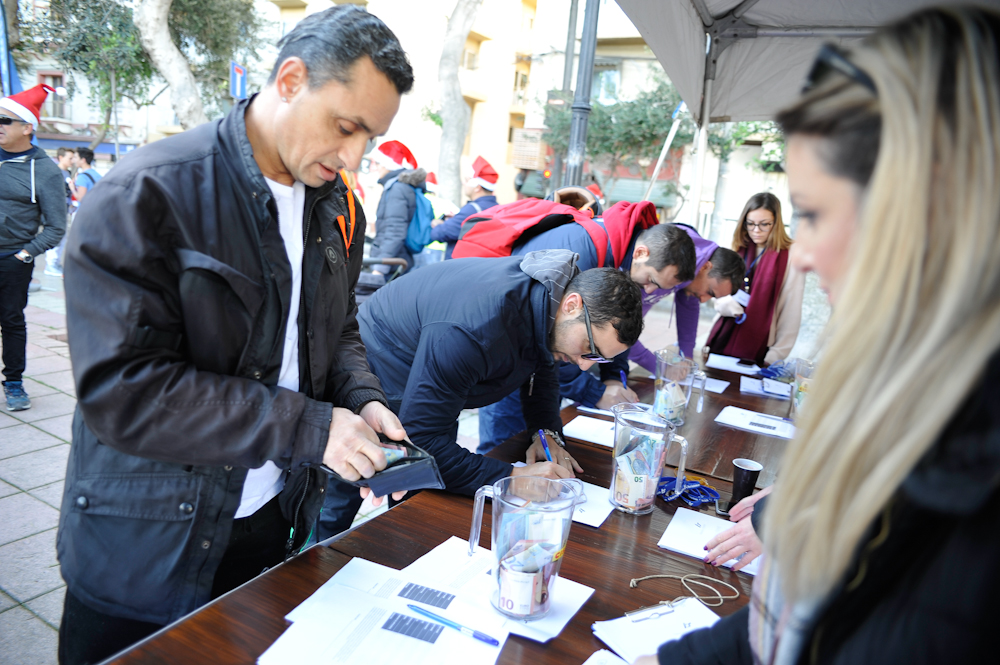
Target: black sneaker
17, 399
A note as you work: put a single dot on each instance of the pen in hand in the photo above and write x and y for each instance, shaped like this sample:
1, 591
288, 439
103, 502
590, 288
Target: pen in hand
482, 637
621, 373
545, 445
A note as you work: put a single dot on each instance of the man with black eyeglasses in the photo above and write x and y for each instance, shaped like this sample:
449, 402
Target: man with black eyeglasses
32, 220
502, 326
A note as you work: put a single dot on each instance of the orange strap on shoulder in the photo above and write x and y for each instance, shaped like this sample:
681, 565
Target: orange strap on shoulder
348, 239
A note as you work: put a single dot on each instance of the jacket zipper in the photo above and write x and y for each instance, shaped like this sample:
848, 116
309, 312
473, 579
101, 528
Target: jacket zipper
295, 520
531, 384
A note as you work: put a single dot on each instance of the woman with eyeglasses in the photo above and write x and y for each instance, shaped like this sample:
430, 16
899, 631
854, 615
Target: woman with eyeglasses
761, 320
882, 536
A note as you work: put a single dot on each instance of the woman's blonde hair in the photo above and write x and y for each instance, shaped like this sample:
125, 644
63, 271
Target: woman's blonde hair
919, 317
778, 240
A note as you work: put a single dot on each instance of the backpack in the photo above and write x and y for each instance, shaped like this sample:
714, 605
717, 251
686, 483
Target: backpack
495, 231
418, 233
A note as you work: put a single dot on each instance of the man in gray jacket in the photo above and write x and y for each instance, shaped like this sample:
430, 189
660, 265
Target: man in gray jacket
32, 197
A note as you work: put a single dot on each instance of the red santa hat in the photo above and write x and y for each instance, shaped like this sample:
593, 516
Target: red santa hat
595, 189
394, 155
483, 174
431, 182
27, 105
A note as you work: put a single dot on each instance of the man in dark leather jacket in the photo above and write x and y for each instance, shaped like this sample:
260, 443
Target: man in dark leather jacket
193, 273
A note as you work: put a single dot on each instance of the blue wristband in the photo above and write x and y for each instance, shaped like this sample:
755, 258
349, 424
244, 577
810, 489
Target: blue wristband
742, 318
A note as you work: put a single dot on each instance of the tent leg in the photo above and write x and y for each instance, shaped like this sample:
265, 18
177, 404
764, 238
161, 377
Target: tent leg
699, 165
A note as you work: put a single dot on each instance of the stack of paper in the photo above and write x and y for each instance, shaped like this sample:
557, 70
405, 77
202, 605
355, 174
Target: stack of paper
642, 634
450, 566
689, 531
594, 430
730, 364
765, 387
360, 617
758, 423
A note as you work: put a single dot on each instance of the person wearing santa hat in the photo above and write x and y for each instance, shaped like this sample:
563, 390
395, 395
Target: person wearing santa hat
400, 178
32, 195
479, 188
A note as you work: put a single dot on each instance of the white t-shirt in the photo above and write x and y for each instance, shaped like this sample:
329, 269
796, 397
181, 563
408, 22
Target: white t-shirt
263, 484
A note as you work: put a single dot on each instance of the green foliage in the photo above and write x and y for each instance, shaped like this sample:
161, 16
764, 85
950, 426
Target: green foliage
212, 33
724, 138
626, 133
96, 38
429, 114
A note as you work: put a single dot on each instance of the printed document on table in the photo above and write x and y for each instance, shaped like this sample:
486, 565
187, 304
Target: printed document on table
717, 386
351, 627
689, 531
471, 578
604, 657
765, 388
758, 423
594, 430
597, 507
730, 364
631, 639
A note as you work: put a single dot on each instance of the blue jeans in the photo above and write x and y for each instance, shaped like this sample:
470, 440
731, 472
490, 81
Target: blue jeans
500, 421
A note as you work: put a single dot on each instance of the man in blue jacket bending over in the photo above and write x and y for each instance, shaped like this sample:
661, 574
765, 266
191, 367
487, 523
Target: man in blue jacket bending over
465, 333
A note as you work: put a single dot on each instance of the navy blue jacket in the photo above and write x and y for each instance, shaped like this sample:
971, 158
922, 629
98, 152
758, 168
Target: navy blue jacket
452, 227
394, 213
574, 383
439, 346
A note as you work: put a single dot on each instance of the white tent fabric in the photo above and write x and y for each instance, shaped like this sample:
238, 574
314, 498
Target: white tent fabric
755, 76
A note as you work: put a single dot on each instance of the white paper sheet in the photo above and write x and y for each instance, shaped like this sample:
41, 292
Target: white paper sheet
689, 531
717, 386
587, 409
730, 364
351, 627
765, 388
596, 509
604, 657
758, 423
594, 430
449, 566
631, 639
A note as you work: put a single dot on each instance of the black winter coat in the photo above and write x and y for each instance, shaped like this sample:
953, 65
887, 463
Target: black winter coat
928, 592
456, 335
177, 294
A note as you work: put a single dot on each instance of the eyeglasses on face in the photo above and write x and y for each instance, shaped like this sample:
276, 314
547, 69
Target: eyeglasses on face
593, 356
832, 59
4, 120
763, 226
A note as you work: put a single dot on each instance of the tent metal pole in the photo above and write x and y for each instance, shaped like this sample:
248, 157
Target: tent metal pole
567, 82
699, 164
665, 150
577, 151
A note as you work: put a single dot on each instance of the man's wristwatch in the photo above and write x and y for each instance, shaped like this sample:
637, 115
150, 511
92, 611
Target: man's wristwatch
24, 257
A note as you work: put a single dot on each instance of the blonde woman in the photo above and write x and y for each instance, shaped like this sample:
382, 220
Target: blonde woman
882, 536
761, 320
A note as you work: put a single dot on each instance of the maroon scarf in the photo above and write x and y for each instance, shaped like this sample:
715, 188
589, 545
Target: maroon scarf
749, 339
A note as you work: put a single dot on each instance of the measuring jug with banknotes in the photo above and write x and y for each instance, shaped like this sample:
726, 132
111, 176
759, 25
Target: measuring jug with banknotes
642, 439
531, 521
675, 377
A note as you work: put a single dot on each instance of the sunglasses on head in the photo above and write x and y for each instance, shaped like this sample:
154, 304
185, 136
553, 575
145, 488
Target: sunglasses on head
4, 120
832, 59
593, 356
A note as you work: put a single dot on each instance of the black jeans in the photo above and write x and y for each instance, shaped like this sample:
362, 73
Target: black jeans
15, 277
257, 542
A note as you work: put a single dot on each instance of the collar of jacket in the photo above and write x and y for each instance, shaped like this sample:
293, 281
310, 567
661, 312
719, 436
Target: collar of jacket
389, 176
961, 471
552, 270
236, 150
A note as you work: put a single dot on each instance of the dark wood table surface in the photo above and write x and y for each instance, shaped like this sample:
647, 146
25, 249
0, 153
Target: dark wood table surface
240, 626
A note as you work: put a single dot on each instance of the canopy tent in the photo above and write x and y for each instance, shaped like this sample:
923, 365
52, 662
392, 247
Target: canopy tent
747, 59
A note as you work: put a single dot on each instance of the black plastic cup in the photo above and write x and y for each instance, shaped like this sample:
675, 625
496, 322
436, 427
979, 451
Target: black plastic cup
745, 474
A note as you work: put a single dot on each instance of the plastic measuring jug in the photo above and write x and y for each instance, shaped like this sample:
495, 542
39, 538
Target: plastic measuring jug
531, 521
642, 440
675, 377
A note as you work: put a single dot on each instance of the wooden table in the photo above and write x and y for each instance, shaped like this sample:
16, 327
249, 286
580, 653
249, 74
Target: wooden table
240, 626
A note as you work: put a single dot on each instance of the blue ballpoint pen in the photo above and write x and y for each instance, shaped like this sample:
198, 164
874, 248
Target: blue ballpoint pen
482, 637
545, 445
621, 373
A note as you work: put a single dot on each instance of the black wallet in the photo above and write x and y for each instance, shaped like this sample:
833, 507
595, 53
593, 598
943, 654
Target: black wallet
415, 470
